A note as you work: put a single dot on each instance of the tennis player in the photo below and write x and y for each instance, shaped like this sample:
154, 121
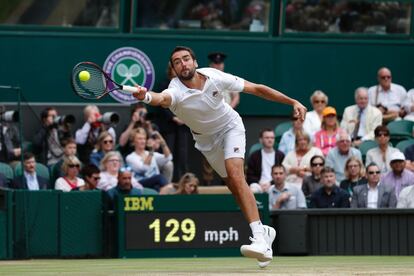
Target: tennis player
195, 96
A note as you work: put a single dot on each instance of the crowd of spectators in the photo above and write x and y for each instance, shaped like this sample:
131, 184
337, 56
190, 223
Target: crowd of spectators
318, 163
250, 15
91, 158
322, 157
373, 17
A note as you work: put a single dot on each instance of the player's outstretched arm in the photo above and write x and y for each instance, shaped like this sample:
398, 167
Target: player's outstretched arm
155, 99
271, 94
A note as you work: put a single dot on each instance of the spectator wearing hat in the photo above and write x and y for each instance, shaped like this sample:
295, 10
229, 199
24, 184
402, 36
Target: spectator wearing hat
325, 139
217, 61
381, 154
387, 96
361, 119
338, 156
399, 177
373, 194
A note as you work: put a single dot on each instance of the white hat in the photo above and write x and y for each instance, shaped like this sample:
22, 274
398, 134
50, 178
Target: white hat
397, 156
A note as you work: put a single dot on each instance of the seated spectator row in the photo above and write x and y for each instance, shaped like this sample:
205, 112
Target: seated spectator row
364, 187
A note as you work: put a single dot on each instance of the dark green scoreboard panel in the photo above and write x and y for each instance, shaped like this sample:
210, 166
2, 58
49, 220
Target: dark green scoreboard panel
182, 225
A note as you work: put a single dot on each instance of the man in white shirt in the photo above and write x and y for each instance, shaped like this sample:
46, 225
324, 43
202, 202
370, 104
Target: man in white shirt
374, 194
409, 105
387, 96
260, 162
195, 96
406, 198
360, 119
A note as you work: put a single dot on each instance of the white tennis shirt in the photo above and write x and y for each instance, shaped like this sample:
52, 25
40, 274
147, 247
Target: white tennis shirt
204, 111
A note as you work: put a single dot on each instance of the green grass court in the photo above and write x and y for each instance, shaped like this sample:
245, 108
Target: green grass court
338, 265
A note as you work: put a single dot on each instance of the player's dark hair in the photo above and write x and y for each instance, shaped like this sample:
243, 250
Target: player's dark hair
182, 48
263, 131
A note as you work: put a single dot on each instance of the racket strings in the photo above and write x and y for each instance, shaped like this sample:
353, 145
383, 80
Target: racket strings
93, 88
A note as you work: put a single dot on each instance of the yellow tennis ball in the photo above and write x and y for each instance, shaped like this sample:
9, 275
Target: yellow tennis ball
84, 75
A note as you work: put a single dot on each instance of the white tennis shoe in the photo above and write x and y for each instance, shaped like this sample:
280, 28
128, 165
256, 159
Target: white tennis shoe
270, 235
260, 249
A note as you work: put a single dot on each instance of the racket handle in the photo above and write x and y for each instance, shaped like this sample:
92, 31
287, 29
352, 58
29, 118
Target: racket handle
128, 88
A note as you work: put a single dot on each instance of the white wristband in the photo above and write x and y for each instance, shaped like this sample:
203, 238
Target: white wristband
148, 98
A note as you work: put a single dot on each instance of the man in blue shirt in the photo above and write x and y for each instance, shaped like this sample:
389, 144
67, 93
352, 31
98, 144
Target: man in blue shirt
329, 195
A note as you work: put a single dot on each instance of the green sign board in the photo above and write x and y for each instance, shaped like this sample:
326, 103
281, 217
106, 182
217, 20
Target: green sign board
183, 225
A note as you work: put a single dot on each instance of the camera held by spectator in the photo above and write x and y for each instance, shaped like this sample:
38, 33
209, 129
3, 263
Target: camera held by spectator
11, 116
109, 118
64, 120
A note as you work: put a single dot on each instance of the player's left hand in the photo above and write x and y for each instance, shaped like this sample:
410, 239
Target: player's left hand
299, 110
140, 95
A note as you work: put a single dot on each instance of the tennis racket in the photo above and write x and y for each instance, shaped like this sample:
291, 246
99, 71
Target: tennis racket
99, 83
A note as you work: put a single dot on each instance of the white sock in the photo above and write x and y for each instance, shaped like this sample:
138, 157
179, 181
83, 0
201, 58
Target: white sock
257, 229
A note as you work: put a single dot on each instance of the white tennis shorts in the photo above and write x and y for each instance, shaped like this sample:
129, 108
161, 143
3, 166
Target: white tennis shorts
222, 146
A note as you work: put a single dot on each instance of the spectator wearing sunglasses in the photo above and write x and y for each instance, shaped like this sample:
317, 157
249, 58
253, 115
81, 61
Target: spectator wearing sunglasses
354, 174
313, 119
70, 179
104, 145
110, 166
381, 155
387, 96
399, 177
124, 185
313, 182
90, 174
373, 194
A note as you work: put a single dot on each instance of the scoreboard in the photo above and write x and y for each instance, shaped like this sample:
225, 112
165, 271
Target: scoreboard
183, 225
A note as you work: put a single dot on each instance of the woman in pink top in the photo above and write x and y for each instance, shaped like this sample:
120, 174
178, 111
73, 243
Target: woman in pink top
325, 139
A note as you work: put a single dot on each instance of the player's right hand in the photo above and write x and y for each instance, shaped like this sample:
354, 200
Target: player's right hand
140, 95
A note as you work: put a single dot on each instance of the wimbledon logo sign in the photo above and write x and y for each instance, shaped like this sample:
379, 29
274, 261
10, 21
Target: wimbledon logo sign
129, 66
